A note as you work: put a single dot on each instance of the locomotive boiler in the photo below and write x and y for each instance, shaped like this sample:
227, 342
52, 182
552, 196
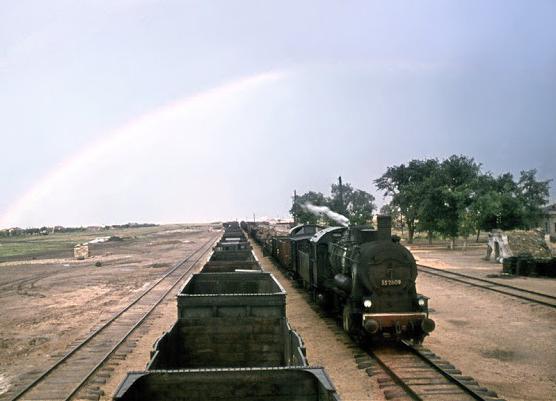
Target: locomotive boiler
367, 278
362, 275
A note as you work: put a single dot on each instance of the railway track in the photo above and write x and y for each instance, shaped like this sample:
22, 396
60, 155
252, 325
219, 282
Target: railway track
68, 375
516, 292
409, 372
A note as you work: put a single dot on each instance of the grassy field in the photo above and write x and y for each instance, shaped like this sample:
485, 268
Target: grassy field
61, 244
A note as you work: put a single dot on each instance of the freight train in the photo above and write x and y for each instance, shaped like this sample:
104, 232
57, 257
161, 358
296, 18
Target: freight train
363, 276
232, 339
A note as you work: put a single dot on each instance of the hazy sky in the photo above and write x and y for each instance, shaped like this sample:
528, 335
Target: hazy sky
175, 111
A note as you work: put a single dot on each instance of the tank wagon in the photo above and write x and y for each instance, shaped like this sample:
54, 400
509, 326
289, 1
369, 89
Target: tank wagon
231, 340
363, 276
254, 384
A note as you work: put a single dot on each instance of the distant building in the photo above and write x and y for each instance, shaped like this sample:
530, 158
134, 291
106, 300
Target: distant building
550, 220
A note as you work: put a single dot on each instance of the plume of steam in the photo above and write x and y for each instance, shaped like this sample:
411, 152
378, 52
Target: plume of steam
324, 211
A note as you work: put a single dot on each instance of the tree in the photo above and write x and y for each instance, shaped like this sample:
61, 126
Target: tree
405, 185
356, 204
495, 204
303, 216
505, 204
394, 212
533, 195
340, 196
454, 198
456, 181
360, 207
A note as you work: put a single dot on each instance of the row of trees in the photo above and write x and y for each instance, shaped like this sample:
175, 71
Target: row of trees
17, 231
355, 204
455, 198
452, 198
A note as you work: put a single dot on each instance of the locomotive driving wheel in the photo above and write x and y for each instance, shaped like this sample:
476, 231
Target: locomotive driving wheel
348, 320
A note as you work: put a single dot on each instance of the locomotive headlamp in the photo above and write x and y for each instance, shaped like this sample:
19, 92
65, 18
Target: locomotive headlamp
421, 302
367, 303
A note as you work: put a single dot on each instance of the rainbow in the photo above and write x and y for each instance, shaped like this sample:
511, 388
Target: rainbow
135, 131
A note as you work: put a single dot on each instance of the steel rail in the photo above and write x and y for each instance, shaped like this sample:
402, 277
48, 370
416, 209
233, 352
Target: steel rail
464, 279
136, 325
413, 349
49, 370
407, 347
408, 389
395, 378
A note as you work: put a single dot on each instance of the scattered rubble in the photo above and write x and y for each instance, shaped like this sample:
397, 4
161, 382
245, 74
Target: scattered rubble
81, 251
517, 243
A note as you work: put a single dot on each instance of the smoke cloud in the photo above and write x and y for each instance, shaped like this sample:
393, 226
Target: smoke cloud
324, 211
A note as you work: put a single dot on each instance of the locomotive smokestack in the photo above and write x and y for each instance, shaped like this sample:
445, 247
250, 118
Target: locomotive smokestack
384, 227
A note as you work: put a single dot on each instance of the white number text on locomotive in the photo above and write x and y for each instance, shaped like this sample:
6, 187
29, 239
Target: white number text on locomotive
390, 282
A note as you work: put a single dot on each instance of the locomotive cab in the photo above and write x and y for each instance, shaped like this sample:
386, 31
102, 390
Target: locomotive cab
300, 237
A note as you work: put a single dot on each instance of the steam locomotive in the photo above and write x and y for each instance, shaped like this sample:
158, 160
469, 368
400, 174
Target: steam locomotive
363, 276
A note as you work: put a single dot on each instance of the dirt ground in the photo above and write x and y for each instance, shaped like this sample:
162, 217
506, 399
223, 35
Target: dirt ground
48, 304
504, 343
470, 262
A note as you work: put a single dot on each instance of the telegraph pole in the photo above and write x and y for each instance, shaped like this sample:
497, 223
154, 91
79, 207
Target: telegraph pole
341, 194
293, 206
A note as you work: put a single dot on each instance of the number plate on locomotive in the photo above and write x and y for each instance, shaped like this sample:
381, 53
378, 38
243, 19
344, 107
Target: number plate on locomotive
387, 283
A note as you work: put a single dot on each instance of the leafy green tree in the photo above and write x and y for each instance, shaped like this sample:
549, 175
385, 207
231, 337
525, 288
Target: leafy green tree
340, 197
454, 198
360, 207
356, 204
533, 195
495, 204
505, 204
303, 216
394, 212
405, 185
457, 180
430, 207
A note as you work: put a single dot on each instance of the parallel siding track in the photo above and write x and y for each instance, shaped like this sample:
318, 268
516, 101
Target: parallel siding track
67, 376
516, 292
408, 372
